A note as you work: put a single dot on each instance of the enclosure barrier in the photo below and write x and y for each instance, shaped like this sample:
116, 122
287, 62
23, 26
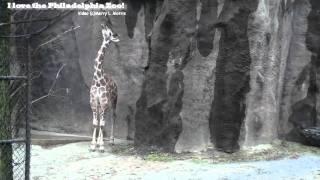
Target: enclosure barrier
14, 144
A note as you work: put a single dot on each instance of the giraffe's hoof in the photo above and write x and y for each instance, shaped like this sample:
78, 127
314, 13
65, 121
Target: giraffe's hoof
92, 148
112, 140
101, 149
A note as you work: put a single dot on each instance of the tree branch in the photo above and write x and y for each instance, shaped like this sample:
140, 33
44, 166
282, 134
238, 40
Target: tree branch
52, 22
52, 86
55, 38
27, 21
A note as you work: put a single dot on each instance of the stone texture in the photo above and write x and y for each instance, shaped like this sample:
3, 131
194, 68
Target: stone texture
206, 30
265, 31
232, 75
305, 112
199, 89
312, 41
158, 120
295, 80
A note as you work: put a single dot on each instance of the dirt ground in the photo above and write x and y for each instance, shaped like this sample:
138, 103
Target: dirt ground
281, 160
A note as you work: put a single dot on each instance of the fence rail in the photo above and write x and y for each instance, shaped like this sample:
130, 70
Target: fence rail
13, 77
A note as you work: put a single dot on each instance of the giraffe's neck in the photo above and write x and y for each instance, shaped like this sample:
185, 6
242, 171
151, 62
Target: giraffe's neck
98, 65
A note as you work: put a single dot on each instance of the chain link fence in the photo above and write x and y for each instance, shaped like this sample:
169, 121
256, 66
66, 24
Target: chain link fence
18, 29
14, 106
14, 140
13, 160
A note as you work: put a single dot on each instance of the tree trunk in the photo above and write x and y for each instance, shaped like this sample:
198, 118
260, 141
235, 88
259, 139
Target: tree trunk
5, 125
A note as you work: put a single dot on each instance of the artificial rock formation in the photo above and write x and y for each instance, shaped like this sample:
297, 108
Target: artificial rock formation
190, 73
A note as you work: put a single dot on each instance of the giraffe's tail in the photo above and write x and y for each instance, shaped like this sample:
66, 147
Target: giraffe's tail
114, 105
115, 100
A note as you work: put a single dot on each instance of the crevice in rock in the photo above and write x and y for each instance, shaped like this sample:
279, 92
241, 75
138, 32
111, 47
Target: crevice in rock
206, 31
134, 7
232, 76
304, 112
158, 121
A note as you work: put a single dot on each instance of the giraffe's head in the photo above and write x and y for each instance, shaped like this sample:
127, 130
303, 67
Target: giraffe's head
108, 35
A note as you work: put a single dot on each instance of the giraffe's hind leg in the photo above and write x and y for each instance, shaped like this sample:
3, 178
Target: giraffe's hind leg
114, 116
94, 134
112, 126
101, 127
95, 110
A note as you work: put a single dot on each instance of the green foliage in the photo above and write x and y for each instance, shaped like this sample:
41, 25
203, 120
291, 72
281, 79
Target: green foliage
200, 160
159, 156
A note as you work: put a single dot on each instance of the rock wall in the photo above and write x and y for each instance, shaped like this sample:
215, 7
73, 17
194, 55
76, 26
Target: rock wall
190, 73
232, 74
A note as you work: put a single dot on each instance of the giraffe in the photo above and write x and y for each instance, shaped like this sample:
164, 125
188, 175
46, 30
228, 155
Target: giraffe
103, 93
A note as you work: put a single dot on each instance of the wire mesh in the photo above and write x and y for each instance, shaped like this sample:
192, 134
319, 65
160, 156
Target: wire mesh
13, 160
12, 155
15, 88
13, 138
13, 110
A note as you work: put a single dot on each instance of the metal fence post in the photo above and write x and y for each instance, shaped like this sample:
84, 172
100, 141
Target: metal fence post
28, 112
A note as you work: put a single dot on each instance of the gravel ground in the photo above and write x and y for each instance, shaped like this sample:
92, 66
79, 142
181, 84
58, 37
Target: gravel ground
120, 162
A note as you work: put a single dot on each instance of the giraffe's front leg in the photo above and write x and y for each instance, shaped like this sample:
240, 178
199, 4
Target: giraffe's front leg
100, 136
94, 137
